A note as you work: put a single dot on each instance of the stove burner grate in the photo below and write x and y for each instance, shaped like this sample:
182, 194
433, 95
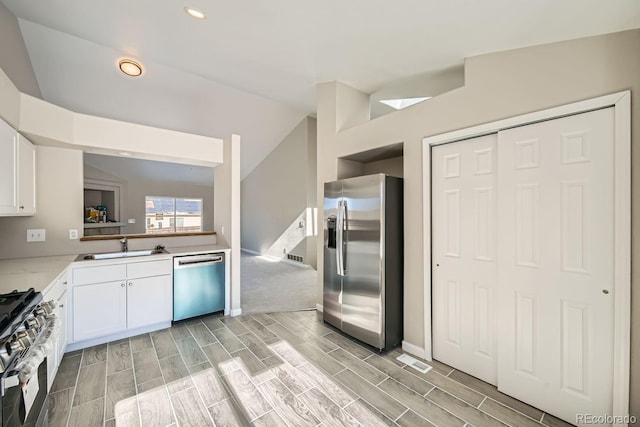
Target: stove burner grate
12, 304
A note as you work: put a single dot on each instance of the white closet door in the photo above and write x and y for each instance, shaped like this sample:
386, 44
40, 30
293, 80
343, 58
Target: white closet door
464, 255
556, 231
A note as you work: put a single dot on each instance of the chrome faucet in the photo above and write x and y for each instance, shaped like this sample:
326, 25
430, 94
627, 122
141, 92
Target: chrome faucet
124, 244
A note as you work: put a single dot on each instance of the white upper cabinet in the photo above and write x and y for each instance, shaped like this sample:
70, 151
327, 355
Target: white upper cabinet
17, 173
26, 177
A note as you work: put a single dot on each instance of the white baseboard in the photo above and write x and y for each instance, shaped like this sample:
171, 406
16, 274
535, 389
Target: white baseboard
235, 312
108, 338
249, 251
415, 350
319, 307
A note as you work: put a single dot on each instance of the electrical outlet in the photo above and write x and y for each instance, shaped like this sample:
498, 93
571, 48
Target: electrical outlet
73, 234
131, 220
36, 235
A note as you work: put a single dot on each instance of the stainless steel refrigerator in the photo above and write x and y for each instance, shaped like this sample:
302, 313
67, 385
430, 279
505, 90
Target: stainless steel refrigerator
363, 259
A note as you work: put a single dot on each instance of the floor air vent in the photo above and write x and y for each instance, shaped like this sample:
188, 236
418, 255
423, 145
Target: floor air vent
414, 363
295, 258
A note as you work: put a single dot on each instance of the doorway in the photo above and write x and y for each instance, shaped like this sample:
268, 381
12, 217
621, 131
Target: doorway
527, 257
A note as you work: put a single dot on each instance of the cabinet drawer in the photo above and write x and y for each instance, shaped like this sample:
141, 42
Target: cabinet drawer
149, 268
99, 274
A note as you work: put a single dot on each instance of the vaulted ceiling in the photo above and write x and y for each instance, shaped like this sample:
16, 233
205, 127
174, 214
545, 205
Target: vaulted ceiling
251, 67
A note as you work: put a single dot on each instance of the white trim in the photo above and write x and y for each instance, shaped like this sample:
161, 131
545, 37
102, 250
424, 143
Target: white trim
113, 337
415, 350
622, 256
235, 312
426, 241
621, 102
319, 308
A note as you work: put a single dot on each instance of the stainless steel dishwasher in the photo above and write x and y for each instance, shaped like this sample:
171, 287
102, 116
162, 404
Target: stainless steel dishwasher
198, 285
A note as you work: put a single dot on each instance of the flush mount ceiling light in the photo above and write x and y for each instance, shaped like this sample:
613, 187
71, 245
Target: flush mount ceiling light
399, 104
195, 13
130, 67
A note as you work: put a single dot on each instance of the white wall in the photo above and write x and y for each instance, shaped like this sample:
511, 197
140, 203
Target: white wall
498, 85
15, 59
277, 194
226, 214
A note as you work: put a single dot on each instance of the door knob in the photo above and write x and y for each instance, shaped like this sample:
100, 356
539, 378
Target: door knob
605, 291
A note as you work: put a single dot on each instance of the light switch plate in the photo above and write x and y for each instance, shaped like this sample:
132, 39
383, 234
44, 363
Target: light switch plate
131, 220
73, 234
36, 235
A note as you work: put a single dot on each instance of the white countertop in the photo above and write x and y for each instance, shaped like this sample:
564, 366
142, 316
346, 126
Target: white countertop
36, 273
39, 272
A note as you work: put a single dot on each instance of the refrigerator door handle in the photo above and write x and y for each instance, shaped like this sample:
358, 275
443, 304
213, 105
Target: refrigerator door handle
341, 226
339, 237
345, 236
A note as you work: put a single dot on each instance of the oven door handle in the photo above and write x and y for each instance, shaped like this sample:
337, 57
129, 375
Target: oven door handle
37, 353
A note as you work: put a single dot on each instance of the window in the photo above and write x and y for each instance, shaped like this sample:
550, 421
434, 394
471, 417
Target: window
173, 215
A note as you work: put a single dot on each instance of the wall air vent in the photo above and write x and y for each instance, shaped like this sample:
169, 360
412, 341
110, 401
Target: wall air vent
295, 258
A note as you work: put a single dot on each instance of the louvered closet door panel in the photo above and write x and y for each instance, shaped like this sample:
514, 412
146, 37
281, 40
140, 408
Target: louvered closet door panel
556, 225
464, 255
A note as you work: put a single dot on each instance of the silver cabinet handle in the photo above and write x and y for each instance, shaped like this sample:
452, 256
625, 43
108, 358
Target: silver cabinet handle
122, 285
130, 283
21, 207
61, 306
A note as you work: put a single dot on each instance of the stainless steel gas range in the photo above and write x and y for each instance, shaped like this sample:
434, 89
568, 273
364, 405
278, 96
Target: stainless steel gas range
26, 335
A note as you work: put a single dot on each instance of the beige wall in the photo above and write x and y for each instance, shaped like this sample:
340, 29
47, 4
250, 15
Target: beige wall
134, 206
499, 85
59, 198
15, 58
135, 191
277, 194
58, 204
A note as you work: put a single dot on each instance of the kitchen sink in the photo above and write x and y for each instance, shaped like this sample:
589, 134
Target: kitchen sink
117, 255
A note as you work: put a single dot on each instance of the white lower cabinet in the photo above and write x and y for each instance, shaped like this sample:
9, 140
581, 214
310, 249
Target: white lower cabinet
149, 301
141, 295
57, 293
99, 309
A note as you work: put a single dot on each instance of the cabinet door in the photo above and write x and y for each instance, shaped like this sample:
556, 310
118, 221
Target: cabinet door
8, 169
149, 301
62, 333
99, 309
26, 177
54, 356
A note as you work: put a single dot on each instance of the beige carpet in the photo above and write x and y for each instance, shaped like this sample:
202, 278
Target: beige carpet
275, 286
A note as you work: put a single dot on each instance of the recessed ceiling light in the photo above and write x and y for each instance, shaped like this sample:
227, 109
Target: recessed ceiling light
195, 13
130, 67
399, 104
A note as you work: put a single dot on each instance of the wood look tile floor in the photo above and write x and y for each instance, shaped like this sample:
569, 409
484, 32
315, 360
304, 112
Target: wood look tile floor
275, 369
